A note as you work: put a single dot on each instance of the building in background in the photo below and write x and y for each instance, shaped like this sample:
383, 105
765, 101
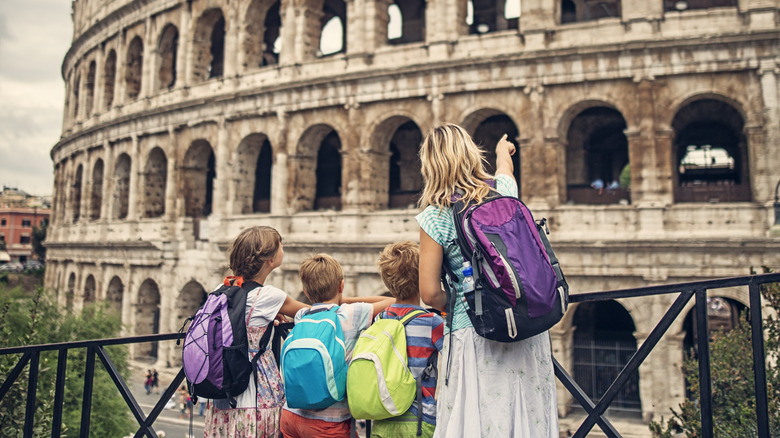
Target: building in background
186, 121
19, 214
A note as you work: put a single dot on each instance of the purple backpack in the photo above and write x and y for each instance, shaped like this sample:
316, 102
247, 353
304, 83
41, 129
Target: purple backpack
215, 353
520, 290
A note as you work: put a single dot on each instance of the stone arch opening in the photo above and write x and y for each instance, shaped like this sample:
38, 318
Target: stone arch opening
575, 11
333, 28
147, 319
109, 77
96, 198
723, 315
167, 51
209, 45
262, 29
317, 169
597, 157
70, 292
402, 138
155, 178
134, 68
115, 294
76, 92
121, 187
603, 343
198, 172
255, 158
191, 298
328, 195
407, 21
487, 127
711, 153
89, 289
75, 193
484, 16
90, 85
684, 5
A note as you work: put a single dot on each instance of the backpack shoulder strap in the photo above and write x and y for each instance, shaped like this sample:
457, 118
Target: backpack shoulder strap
410, 316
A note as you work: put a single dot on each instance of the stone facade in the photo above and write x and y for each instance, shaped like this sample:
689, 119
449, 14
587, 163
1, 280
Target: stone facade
186, 121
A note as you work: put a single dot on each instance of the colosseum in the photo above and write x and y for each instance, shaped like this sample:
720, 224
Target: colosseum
648, 136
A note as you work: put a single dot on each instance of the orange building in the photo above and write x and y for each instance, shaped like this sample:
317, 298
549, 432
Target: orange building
16, 226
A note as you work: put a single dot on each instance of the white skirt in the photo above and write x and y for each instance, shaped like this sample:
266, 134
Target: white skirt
496, 389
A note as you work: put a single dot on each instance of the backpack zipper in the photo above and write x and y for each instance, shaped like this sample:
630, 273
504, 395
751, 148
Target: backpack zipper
512, 278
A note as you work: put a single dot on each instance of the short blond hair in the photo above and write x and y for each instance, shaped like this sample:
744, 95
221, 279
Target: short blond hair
321, 276
398, 266
451, 161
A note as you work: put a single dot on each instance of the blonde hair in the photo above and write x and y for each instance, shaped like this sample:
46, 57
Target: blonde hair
398, 266
251, 249
451, 161
321, 276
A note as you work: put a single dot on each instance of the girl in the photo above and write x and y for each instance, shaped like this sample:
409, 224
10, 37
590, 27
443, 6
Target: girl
253, 255
493, 389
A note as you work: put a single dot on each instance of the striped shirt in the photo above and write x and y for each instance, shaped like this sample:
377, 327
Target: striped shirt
424, 338
437, 223
354, 319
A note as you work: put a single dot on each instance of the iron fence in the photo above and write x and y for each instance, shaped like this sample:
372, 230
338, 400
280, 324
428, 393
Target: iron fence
595, 408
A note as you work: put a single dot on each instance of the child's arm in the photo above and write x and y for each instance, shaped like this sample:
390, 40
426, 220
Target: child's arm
370, 300
381, 305
291, 306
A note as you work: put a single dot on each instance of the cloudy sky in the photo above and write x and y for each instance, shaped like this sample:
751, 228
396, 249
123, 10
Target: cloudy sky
34, 36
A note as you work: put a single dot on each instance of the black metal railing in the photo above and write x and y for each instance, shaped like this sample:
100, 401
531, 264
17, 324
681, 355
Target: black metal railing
595, 409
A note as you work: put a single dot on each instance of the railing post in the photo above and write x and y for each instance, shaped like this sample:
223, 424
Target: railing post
32, 390
86, 405
59, 393
759, 360
705, 380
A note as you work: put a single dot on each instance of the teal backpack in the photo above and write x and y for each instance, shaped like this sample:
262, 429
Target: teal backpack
314, 361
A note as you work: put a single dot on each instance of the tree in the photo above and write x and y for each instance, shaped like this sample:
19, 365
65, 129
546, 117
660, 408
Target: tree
38, 236
35, 318
733, 385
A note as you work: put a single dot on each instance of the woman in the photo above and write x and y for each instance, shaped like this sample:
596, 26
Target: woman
488, 388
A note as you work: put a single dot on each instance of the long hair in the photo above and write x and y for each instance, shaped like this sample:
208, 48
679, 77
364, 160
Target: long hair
451, 161
251, 249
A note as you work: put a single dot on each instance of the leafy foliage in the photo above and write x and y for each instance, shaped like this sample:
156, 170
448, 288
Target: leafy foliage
733, 384
30, 319
38, 236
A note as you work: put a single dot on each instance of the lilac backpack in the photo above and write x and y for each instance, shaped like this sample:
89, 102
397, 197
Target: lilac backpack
216, 347
520, 290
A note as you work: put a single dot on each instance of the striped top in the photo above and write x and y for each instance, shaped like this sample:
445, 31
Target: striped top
424, 337
437, 223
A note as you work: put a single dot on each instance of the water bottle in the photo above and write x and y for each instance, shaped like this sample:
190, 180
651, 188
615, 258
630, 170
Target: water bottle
483, 324
468, 278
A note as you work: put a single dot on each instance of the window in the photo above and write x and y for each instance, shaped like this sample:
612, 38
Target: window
24, 239
2, 222
26, 223
2, 238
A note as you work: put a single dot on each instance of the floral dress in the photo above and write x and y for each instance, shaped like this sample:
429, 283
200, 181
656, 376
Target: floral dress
259, 408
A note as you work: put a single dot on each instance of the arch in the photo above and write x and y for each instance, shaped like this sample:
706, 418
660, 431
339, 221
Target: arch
597, 157
134, 68
574, 11
147, 318
710, 152
167, 51
209, 45
197, 172
90, 85
603, 342
486, 127
318, 169
407, 21
255, 163
484, 16
155, 179
333, 28
70, 292
398, 138
191, 297
89, 289
121, 183
262, 26
76, 91
723, 314
115, 294
109, 77
75, 193
96, 200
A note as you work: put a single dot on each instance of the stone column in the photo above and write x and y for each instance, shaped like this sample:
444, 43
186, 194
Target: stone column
231, 40
367, 25
536, 19
641, 16
350, 159
147, 68
133, 199
538, 156
769, 165
279, 174
288, 14
97, 95
562, 340
308, 30
183, 66
661, 382
108, 182
222, 179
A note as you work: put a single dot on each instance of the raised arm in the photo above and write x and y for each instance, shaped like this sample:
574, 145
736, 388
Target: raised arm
504, 152
431, 256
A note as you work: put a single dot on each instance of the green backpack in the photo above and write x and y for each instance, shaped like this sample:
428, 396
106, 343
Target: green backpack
379, 382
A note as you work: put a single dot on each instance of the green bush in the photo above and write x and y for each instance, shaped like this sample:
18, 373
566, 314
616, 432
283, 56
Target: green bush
733, 384
35, 318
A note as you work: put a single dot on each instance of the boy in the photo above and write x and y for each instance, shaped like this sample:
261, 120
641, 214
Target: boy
398, 265
323, 284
